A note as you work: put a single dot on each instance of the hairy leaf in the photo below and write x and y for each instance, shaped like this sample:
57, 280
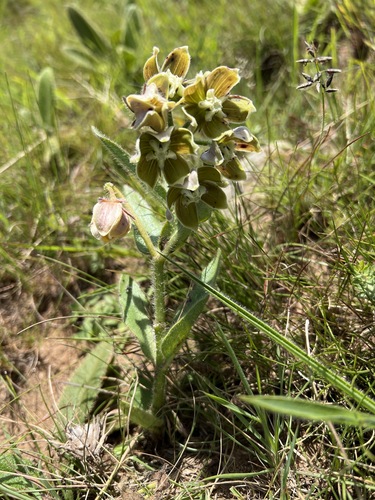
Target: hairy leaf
128, 170
187, 316
150, 220
16, 477
134, 305
81, 391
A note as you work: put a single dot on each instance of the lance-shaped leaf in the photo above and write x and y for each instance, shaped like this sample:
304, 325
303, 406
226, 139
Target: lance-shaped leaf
46, 97
90, 35
149, 219
132, 27
128, 169
134, 312
187, 316
138, 411
80, 393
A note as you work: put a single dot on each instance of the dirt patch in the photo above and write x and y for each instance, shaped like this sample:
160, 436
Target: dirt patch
31, 390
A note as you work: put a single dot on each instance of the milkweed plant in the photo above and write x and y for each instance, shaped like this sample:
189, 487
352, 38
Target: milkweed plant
191, 142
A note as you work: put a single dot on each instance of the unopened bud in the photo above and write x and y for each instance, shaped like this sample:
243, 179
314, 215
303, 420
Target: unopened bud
110, 220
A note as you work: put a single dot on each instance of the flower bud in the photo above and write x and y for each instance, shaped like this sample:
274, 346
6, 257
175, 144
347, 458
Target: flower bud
110, 220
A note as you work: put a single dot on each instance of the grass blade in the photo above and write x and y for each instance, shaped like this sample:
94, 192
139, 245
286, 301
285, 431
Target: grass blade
311, 410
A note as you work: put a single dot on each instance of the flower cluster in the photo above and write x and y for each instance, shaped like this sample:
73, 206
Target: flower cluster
186, 139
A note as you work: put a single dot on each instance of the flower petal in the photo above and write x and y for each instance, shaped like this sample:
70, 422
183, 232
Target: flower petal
105, 214
161, 81
151, 66
178, 62
237, 108
148, 171
214, 196
233, 169
172, 195
222, 80
109, 220
214, 128
213, 155
210, 174
175, 169
182, 141
187, 213
196, 92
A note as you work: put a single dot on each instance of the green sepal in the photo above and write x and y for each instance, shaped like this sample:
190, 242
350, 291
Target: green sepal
188, 314
80, 394
134, 311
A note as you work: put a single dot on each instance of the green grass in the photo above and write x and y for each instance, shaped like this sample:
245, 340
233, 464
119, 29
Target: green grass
297, 247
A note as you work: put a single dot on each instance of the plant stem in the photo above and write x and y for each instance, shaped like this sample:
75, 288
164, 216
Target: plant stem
158, 390
158, 280
159, 384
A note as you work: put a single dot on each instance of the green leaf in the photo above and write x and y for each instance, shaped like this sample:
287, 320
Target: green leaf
187, 316
80, 56
311, 410
90, 35
150, 221
81, 391
134, 305
16, 477
138, 410
46, 97
318, 368
142, 417
132, 28
121, 157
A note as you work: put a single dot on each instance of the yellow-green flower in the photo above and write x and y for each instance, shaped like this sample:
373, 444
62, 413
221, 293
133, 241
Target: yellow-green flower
210, 107
227, 152
164, 154
151, 107
202, 185
175, 67
110, 220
